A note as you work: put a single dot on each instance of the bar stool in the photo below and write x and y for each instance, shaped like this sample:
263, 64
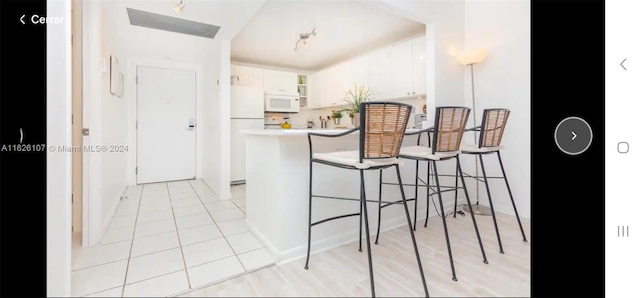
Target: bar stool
382, 128
491, 130
447, 135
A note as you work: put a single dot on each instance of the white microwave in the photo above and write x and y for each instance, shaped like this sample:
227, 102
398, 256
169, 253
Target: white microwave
282, 103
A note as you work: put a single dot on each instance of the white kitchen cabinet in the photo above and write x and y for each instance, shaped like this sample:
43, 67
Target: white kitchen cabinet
400, 72
272, 80
378, 73
317, 89
290, 82
337, 84
391, 72
358, 71
258, 81
280, 82
419, 65
242, 75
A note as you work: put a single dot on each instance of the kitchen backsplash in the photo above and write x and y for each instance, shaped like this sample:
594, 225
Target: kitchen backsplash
299, 120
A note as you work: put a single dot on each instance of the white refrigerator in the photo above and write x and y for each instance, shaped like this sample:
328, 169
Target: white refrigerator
247, 112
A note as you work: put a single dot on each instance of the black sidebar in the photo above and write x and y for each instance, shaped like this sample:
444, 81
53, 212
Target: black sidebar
22, 150
567, 99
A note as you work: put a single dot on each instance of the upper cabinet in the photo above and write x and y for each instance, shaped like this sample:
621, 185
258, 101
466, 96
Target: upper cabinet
317, 89
419, 65
258, 81
396, 71
378, 73
280, 82
407, 72
242, 75
400, 73
356, 73
337, 84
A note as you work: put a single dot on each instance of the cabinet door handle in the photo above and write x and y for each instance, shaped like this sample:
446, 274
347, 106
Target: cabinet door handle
408, 93
413, 92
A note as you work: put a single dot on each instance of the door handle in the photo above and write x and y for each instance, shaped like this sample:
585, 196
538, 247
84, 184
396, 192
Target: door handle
192, 124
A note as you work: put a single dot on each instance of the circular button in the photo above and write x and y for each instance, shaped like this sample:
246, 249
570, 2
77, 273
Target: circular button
573, 135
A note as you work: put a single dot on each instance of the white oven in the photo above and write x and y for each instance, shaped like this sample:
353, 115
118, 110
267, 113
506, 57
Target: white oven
281, 103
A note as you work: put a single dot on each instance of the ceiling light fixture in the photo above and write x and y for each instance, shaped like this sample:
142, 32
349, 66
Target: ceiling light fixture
179, 7
304, 37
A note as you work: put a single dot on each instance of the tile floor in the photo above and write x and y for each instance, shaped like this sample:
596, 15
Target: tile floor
165, 239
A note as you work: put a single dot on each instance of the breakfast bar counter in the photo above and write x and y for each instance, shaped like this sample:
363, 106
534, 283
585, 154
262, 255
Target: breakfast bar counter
277, 191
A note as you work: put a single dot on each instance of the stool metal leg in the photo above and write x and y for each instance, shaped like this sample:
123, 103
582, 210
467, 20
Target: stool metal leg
473, 217
426, 220
306, 264
524, 238
413, 237
360, 238
363, 199
415, 205
455, 202
493, 213
444, 220
379, 206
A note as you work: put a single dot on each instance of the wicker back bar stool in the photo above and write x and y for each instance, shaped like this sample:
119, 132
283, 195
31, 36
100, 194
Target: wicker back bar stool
447, 135
491, 131
382, 128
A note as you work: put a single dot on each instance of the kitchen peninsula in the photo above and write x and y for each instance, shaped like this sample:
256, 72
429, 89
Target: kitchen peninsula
277, 191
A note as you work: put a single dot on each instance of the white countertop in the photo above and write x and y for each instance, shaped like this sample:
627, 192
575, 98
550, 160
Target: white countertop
299, 132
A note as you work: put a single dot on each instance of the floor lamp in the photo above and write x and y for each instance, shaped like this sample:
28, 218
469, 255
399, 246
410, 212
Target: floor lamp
470, 58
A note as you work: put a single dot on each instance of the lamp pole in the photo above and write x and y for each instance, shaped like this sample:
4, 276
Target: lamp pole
475, 133
477, 209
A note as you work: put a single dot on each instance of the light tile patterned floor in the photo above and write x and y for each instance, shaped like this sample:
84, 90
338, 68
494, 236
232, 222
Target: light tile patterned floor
165, 239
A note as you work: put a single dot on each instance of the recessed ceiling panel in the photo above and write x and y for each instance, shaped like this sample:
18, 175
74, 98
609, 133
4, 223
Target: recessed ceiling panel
346, 29
172, 24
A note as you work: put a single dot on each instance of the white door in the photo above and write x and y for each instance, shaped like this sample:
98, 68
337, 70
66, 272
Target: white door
166, 135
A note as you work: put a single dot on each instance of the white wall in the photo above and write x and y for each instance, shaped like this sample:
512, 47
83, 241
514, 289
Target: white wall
59, 163
215, 120
135, 45
113, 127
502, 80
106, 117
224, 188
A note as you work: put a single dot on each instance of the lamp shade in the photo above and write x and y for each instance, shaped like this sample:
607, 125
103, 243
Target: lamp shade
471, 57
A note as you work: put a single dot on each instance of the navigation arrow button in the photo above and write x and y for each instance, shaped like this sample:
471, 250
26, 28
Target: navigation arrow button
625, 59
22, 19
566, 135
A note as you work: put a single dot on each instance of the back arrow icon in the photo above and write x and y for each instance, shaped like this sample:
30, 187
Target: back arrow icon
21, 19
574, 135
625, 59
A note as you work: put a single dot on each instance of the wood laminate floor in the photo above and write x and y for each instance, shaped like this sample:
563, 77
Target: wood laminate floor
343, 271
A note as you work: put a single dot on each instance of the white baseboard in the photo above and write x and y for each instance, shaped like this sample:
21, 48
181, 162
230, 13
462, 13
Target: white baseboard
350, 236
107, 221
